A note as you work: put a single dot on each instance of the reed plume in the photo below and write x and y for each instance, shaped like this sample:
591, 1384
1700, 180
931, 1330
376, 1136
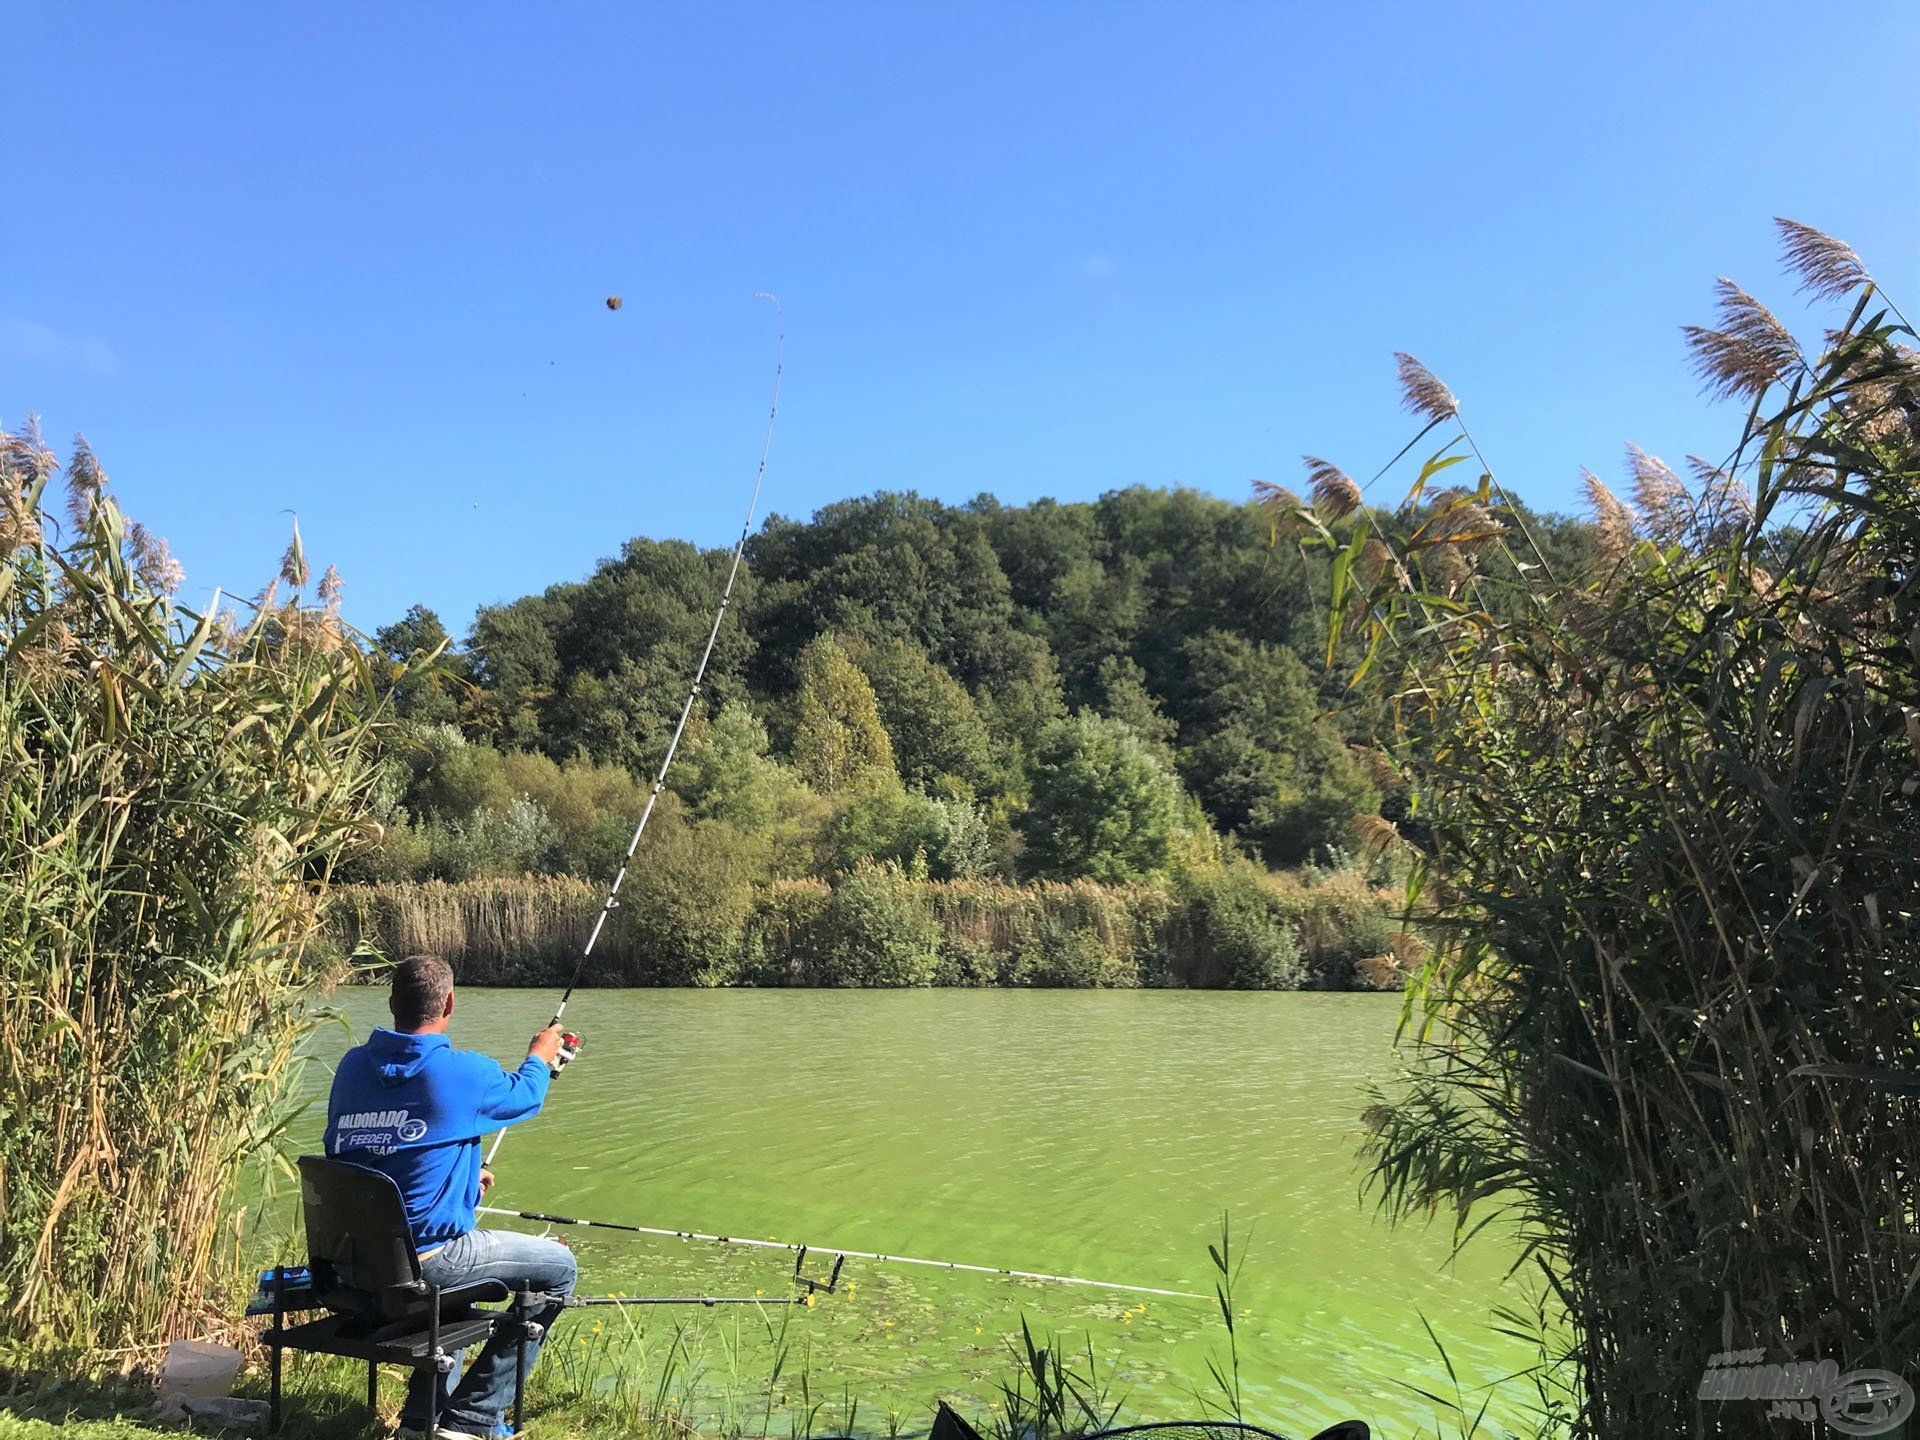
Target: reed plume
1421, 391
1284, 504
86, 483
293, 564
1446, 567
1724, 503
1659, 495
18, 523
25, 460
1333, 489
1612, 519
1381, 972
1748, 353
1459, 516
153, 559
1377, 834
1379, 769
1377, 558
1407, 947
1828, 269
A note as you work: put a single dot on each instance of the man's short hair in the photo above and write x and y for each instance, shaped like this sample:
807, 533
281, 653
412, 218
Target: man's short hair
421, 984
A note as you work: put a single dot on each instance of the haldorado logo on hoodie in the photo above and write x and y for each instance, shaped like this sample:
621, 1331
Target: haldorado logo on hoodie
378, 1131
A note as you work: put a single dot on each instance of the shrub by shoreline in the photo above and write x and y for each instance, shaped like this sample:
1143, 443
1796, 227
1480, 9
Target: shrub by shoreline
1230, 927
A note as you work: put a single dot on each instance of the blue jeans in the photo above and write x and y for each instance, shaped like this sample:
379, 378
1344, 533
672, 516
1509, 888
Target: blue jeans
475, 1401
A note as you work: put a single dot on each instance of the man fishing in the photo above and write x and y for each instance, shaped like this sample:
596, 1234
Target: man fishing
406, 1103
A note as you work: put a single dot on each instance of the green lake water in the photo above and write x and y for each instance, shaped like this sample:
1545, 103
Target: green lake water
1094, 1133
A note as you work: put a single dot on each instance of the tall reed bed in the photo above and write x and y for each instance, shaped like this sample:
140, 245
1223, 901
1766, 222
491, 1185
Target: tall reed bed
1666, 838
1227, 926
177, 790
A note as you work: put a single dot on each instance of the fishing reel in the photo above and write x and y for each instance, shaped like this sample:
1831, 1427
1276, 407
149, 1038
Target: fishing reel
570, 1044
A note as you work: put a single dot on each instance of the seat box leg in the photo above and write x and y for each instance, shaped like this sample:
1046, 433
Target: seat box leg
433, 1360
273, 1350
522, 1304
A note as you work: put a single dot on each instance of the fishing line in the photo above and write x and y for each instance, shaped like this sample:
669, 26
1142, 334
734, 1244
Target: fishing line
693, 693
795, 1247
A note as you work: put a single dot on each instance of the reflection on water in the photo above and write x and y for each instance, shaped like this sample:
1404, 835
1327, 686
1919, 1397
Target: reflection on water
1095, 1133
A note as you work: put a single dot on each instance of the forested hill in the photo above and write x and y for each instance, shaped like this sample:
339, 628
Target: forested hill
1101, 687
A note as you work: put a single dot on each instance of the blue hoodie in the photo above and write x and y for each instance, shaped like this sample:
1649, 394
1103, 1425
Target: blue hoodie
414, 1108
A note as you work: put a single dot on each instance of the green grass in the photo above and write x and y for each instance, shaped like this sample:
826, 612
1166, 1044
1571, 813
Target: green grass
614, 1377
600, 1378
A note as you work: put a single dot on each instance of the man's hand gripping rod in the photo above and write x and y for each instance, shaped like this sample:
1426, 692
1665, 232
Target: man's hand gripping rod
570, 1043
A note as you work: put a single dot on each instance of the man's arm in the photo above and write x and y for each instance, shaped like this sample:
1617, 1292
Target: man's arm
518, 1095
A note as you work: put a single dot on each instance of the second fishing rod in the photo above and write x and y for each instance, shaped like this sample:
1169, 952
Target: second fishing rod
570, 1042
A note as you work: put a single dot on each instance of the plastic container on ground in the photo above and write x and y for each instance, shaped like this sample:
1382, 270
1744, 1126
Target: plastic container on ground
198, 1369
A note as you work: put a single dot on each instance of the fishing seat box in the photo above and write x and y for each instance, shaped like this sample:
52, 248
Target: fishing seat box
363, 1271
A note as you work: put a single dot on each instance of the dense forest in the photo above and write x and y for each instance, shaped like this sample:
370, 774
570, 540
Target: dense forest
1108, 690
1051, 743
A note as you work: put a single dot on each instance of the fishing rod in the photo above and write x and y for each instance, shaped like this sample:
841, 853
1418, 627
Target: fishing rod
801, 1249
570, 1044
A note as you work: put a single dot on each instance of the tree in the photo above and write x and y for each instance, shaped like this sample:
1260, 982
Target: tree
516, 667
1125, 697
838, 739
1266, 764
934, 726
887, 823
896, 566
729, 780
423, 672
1102, 805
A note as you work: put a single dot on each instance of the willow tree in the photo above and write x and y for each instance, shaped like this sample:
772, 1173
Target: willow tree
177, 790
1665, 838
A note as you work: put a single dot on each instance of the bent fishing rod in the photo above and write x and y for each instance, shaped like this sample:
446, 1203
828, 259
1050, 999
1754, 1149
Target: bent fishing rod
570, 1045
800, 1251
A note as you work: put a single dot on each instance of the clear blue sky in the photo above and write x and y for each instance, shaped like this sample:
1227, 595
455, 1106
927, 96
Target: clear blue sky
350, 260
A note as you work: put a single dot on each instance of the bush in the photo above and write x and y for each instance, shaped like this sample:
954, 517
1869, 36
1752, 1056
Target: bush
877, 929
1061, 954
685, 908
781, 928
1340, 923
966, 962
1102, 806
1234, 930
